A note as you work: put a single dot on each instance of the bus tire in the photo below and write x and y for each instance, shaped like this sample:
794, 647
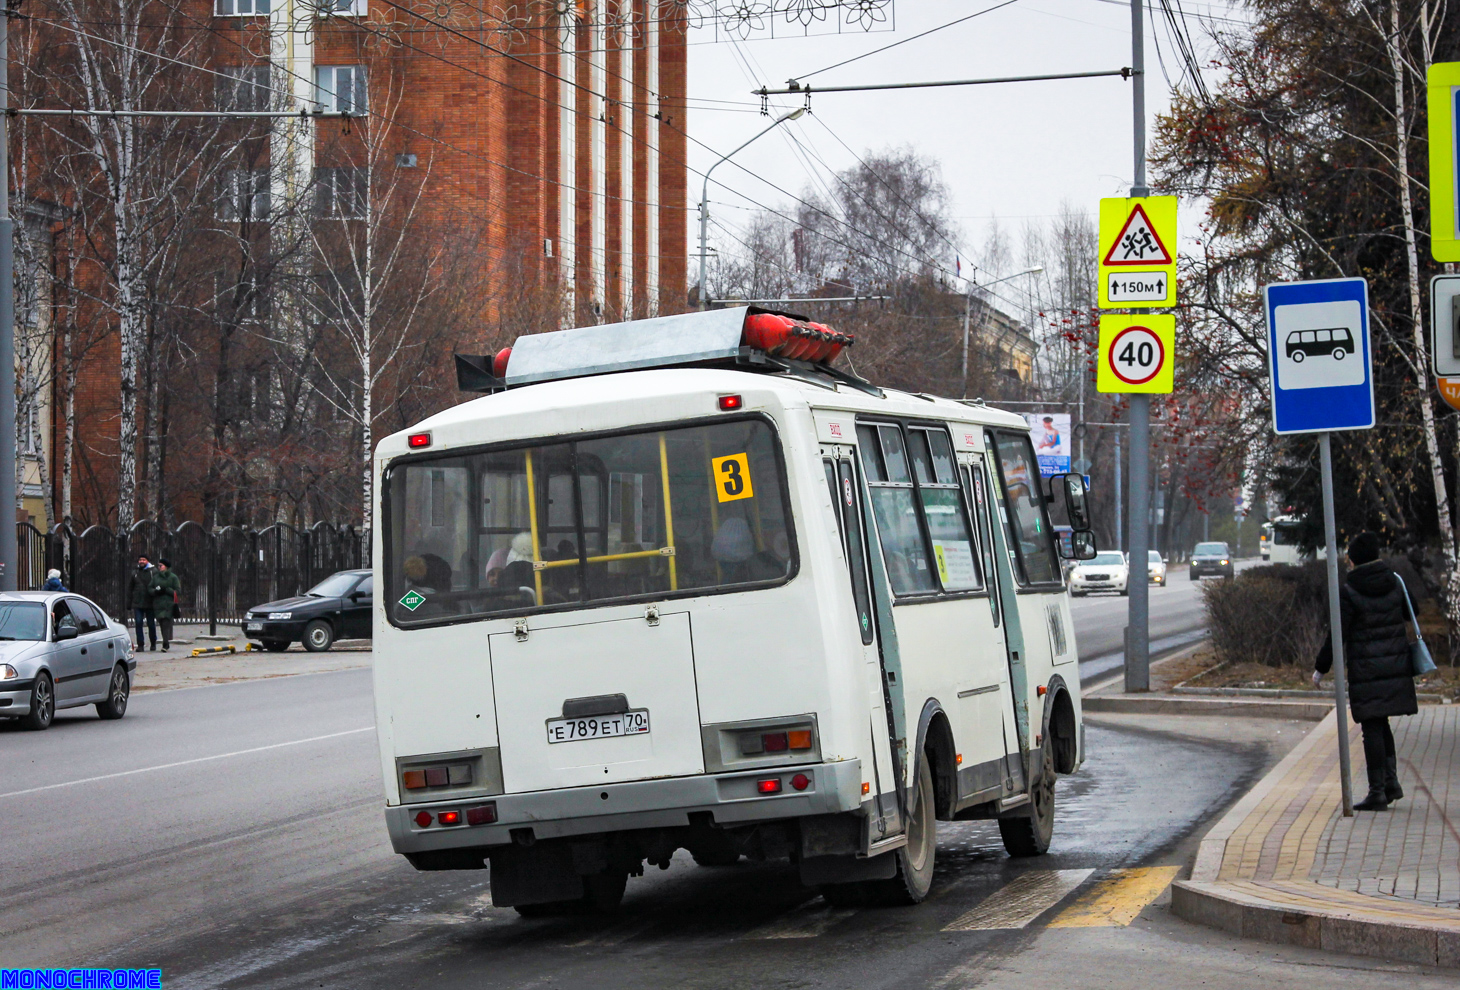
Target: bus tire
915, 860
1030, 834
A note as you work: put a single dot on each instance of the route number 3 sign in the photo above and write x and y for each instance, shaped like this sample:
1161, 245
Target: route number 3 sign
1136, 353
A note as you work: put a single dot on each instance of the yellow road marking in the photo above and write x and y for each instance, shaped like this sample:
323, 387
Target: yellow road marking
1114, 901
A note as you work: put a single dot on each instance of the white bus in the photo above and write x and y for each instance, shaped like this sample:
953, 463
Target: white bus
670, 586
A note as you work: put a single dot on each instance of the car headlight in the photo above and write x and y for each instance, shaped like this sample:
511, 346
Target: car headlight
7, 672
281, 615
1224, 563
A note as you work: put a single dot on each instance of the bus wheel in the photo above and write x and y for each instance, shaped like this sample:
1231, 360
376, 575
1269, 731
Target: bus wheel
1338, 353
1030, 834
1297, 357
915, 860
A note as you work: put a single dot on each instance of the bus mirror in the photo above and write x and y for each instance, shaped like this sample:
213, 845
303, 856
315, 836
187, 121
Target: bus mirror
1073, 486
1081, 545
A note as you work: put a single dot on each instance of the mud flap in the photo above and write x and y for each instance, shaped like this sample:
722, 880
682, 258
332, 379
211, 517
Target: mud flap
818, 870
537, 874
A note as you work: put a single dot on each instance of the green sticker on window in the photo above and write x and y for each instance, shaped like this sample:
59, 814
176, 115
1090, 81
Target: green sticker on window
413, 600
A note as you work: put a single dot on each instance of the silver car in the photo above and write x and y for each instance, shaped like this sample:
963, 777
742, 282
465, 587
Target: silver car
59, 650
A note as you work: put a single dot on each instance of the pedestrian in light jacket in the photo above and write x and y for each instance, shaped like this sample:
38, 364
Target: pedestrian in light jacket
1372, 604
165, 588
141, 597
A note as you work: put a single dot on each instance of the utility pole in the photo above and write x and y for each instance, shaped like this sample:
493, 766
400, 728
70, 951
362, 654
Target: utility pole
1138, 656
8, 575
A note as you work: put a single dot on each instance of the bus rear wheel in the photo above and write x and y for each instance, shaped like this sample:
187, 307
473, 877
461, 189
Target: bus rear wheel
1030, 834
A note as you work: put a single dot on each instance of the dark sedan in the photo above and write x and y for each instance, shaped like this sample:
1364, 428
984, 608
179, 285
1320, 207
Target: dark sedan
1210, 558
336, 608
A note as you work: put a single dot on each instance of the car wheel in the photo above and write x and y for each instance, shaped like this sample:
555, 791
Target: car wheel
276, 645
1195, 576
1030, 835
42, 703
1124, 592
115, 705
318, 636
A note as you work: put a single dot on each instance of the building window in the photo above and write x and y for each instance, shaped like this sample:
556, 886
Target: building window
243, 87
342, 193
244, 196
240, 8
341, 88
343, 8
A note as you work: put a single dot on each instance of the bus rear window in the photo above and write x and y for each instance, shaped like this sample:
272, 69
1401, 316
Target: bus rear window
557, 525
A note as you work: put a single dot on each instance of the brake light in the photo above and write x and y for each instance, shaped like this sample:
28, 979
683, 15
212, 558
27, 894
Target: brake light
800, 739
800, 782
482, 815
423, 819
730, 403
771, 786
437, 777
417, 440
413, 780
453, 775
449, 818
775, 742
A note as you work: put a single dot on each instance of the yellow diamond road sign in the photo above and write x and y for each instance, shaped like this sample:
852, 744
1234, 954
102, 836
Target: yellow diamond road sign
1137, 353
1138, 252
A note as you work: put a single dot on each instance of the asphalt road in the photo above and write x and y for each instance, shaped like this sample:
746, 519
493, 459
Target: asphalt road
1177, 619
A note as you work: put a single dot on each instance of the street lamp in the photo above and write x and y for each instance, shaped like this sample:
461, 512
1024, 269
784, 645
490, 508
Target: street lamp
705, 194
968, 304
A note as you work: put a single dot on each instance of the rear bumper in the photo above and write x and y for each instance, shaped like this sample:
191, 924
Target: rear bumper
729, 798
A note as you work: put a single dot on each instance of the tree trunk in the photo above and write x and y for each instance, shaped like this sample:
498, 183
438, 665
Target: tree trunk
1432, 444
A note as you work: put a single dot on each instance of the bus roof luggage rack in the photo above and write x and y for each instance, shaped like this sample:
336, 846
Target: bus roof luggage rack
742, 336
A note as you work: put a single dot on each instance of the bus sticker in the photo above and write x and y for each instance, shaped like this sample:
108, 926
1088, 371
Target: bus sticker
732, 477
413, 600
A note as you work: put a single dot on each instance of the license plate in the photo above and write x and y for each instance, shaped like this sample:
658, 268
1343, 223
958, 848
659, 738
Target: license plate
630, 723
255, 627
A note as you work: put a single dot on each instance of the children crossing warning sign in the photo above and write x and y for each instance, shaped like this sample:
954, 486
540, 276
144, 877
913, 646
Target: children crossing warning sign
1138, 252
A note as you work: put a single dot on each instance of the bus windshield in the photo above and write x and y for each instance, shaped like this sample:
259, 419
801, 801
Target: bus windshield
562, 525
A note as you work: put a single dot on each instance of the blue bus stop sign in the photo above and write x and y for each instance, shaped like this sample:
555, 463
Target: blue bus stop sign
1319, 357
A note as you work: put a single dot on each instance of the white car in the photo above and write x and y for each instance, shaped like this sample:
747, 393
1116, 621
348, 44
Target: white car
1158, 568
1108, 571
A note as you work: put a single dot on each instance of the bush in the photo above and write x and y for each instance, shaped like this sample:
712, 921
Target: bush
1275, 615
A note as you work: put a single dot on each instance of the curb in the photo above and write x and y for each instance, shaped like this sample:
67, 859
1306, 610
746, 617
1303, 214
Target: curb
1331, 920
1157, 704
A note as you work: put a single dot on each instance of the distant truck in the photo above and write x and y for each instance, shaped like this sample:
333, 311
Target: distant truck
1280, 542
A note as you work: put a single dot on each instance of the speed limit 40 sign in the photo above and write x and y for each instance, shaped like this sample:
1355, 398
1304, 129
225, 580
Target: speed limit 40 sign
1136, 353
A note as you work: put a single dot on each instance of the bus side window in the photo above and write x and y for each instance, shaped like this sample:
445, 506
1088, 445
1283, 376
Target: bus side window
978, 504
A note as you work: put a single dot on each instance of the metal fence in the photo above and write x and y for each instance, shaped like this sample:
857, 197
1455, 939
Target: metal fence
224, 572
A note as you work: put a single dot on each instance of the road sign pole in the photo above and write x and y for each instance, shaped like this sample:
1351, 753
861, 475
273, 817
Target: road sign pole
1335, 626
1137, 579
1137, 657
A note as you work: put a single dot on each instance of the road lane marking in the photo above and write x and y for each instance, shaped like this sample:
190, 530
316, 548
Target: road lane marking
807, 921
1115, 900
184, 763
1020, 901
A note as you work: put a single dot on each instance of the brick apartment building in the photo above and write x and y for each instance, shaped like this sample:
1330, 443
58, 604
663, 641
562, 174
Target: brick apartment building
554, 130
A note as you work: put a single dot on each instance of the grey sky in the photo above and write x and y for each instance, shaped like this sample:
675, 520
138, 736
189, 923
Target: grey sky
1015, 151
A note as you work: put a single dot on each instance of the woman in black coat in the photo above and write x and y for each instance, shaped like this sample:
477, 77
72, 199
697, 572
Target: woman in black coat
1376, 654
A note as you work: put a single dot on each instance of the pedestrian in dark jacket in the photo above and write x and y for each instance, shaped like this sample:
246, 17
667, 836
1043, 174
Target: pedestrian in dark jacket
165, 588
53, 581
141, 595
1372, 605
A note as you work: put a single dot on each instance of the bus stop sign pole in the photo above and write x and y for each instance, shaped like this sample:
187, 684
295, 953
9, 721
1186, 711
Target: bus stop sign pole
1335, 624
1321, 377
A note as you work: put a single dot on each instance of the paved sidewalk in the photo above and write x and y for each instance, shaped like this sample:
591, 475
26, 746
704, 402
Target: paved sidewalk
1285, 866
177, 668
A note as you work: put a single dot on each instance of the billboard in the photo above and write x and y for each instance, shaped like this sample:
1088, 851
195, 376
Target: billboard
1051, 435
